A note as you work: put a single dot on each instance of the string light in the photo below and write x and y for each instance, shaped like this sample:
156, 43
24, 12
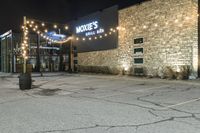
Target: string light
55, 26
66, 27
110, 32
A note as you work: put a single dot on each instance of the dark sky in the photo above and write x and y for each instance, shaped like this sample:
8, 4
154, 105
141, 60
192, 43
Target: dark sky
61, 11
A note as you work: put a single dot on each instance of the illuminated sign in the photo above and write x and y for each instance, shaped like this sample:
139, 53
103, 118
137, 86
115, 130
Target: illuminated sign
89, 29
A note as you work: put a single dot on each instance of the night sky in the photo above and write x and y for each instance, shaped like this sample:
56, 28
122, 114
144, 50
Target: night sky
60, 11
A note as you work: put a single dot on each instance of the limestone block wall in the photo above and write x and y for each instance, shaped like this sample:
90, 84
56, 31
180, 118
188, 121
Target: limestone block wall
170, 32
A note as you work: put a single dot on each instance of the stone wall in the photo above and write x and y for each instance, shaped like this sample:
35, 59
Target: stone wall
170, 32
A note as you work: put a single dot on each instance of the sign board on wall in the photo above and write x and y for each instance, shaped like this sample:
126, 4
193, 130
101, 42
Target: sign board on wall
93, 25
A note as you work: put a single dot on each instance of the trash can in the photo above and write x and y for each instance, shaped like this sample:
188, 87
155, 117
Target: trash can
25, 81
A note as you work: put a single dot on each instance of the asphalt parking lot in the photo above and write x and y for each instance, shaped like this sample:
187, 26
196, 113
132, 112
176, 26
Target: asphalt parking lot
67, 103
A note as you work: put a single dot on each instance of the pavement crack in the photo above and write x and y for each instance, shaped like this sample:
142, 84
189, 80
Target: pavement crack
117, 102
147, 101
154, 114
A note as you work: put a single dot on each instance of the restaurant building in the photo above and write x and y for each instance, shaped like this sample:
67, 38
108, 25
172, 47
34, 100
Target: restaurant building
43, 55
159, 39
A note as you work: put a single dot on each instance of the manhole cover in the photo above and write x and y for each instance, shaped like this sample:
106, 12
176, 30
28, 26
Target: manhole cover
48, 92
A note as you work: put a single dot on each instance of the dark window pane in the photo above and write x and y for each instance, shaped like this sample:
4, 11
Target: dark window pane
138, 50
138, 40
138, 61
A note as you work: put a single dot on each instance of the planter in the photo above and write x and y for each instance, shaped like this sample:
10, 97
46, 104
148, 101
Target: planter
25, 81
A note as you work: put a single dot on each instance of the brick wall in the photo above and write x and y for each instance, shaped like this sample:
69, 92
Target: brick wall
170, 32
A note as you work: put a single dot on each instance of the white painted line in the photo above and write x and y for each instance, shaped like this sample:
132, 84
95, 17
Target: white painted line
179, 104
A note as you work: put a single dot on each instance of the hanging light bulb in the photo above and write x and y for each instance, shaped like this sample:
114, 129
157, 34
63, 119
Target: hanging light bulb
25, 41
95, 38
83, 39
46, 30
32, 22
90, 38
100, 36
55, 26
77, 38
66, 27
38, 32
43, 24
106, 35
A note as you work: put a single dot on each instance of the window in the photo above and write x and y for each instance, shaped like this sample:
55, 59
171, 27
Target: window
138, 51
138, 61
138, 40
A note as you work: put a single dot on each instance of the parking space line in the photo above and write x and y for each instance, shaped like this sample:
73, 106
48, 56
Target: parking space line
182, 103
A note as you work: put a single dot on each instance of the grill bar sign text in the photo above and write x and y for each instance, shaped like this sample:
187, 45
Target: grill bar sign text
90, 29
